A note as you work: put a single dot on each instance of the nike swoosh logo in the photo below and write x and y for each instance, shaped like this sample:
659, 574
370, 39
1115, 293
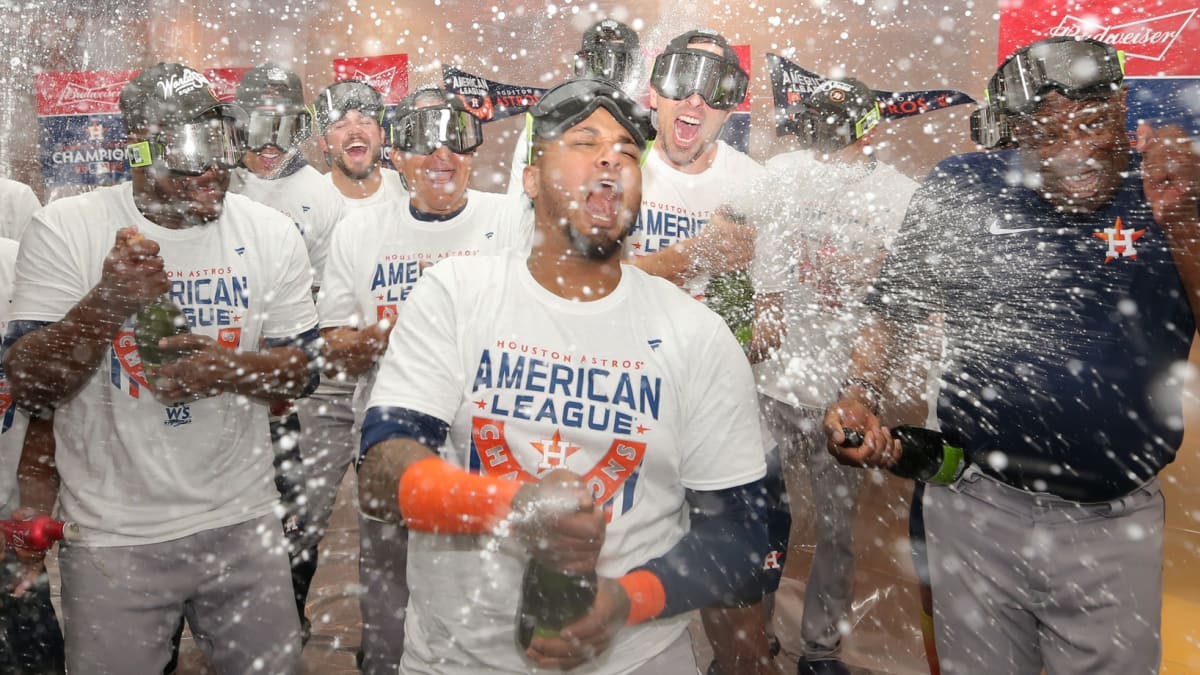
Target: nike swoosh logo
994, 228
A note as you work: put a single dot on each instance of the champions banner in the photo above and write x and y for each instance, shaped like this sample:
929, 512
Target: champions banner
1161, 41
388, 74
491, 100
790, 84
82, 138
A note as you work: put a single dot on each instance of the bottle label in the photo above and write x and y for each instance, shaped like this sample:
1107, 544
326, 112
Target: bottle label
953, 460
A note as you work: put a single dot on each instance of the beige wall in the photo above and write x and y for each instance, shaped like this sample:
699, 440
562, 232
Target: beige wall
890, 44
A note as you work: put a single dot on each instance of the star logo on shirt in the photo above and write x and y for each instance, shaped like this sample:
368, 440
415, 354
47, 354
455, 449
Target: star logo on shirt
481, 404
1120, 241
237, 318
642, 429
554, 452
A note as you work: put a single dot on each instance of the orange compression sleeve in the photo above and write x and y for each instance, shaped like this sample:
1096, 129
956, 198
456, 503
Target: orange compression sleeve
647, 598
436, 496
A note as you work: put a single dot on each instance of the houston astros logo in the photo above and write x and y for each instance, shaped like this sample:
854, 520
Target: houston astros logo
1120, 241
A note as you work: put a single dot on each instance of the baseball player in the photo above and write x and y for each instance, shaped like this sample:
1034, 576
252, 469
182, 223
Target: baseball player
1058, 265
377, 256
686, 231
555, 397
828, 207
167, 471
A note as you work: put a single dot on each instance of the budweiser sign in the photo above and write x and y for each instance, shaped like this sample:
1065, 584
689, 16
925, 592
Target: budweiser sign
1149, 38
80, 92
77, 95
1159, 38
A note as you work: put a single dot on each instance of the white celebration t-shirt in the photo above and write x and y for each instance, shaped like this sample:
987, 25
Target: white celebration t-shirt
644, 393
379, 253
136, 471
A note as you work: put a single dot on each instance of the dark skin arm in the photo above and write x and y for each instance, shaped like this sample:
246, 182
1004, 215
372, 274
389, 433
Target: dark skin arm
209, 369
50, 364
38, 482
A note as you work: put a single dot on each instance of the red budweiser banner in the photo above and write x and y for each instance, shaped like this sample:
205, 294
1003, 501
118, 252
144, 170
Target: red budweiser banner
1160, 38
224, 81
387, 73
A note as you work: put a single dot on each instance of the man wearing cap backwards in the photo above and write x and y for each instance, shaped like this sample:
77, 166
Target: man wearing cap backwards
825, 208
688, 230
1067, 271
377, 255
168, 473
274, 172
609, 50
548, 404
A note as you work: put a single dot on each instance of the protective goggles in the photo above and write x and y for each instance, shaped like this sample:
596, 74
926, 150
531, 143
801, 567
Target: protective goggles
191, 149
424, 130
1076, 68
572, 102
721, 83
604, 62
989, 127
283, 131
341, 97
828, 131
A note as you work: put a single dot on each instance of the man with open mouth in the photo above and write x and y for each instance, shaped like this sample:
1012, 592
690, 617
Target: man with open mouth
546, 406
377, 256
1067, 271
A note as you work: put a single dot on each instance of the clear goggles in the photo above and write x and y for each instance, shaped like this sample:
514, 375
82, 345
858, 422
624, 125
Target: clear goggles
191, 149
423, 131
282, 130
568, 104
609, 63
1076, 68
830, 132
719, 82
340, 98
989, 128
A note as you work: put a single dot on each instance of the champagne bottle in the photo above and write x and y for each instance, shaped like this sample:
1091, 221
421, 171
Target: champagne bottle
161, 318
552, 600
38, 533
731, 296
924, 454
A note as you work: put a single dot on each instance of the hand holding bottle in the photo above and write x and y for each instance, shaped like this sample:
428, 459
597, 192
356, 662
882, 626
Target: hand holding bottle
29, 534
559, 523
133, 274
586, 637
876, 448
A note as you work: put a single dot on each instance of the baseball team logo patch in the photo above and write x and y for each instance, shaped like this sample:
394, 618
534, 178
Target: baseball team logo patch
1120, 241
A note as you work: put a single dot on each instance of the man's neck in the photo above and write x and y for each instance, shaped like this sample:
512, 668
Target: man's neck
569, 275
355, 188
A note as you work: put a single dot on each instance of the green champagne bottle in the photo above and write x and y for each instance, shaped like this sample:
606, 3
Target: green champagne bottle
161, 318
925, 454
552, 600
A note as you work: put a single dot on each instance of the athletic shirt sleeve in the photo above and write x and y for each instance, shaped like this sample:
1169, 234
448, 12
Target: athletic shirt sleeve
721, 438
49, 279
290, 309
336, 304
421, 369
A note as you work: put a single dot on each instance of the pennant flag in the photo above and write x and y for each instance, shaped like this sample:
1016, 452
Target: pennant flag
487, 99
790, 84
